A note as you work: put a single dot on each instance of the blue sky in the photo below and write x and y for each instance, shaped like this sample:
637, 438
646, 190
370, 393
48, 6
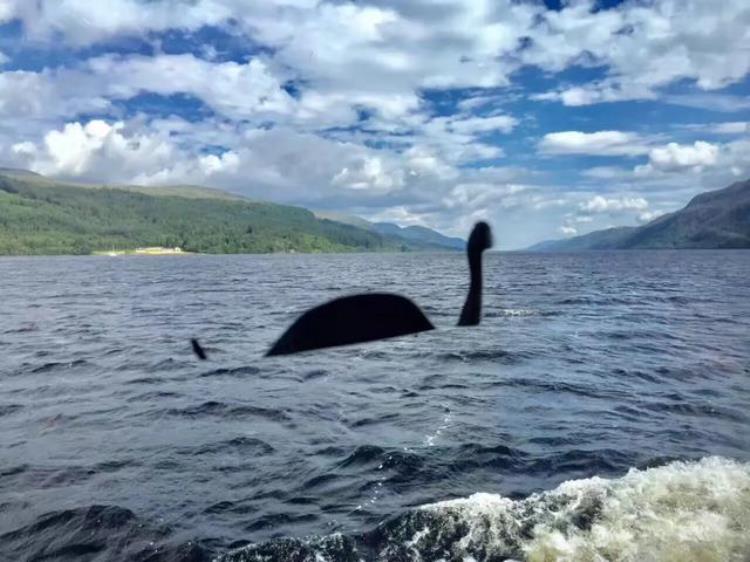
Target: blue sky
549, 119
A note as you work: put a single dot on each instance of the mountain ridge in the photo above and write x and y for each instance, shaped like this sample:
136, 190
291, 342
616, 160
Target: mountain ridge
413, 233
710, 220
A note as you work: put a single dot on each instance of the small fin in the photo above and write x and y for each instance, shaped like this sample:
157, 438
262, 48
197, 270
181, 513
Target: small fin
198, 349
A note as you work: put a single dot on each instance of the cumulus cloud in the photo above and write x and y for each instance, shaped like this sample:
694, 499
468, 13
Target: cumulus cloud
601, 204
600, 143
92, 149
232, 89
646, 46
370, 174
81, 22
568, 230
677, 157
598, 92
265, 163
7, 11
478, 125
404, 46
478, 195
48, 94
399, 215
648, 216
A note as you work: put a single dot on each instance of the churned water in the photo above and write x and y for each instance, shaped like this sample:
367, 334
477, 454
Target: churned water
600, 412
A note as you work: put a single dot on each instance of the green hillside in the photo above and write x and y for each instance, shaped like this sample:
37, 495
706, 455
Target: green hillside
42, 216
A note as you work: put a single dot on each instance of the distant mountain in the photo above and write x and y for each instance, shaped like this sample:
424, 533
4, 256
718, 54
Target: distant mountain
543, 246
420, 235
711, 220
417, 236
597, 240
39, 215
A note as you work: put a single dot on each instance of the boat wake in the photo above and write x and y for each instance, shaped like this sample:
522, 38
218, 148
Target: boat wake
683, 511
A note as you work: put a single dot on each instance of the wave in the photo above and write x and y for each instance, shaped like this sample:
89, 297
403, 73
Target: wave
238, 371
686, 511
225, 411
8, 409
96, 532
48, 367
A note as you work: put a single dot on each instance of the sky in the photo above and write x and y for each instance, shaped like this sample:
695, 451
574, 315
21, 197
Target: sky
547, 118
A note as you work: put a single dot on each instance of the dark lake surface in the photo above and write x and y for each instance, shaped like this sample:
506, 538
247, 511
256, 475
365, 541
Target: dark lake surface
633, 367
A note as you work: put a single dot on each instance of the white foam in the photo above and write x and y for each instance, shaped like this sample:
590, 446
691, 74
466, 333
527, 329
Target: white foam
519, 312
430, 439
681, 512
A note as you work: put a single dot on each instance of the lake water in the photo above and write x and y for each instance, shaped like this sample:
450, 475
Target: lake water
601, 409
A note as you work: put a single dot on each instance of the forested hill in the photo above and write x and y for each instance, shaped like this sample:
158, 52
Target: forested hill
43, 216
715, 219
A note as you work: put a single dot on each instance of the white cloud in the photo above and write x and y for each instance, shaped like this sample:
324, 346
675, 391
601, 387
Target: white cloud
48, 94
7, 11
692, 166
245, 91
736, 156
601, 143
714, 101
598, 92
720, 128
645, 46
232, 89
475, 125
568, 230
730, 128
369, 174
478, 195
83, 22
676, 157
95, 149
4, 58
400, 47
481, 101
423, 161
268, 164
648, 216
389, 47
683, 156
399, 215
601, 204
